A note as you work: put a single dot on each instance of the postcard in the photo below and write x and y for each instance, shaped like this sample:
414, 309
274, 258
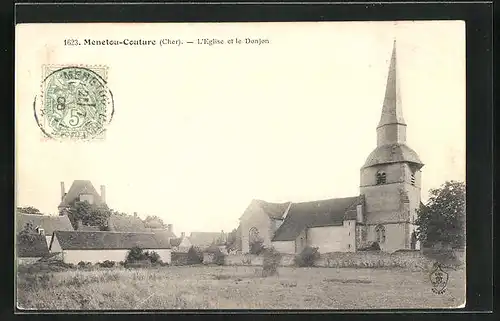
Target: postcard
301, 165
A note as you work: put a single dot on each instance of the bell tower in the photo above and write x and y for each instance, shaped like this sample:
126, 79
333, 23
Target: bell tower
391, 176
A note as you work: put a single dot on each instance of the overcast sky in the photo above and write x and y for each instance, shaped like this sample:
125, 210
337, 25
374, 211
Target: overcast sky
201, 130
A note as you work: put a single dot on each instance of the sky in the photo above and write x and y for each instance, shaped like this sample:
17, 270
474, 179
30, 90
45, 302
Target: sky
199, 131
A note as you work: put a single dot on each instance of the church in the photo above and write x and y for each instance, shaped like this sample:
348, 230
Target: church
384, 211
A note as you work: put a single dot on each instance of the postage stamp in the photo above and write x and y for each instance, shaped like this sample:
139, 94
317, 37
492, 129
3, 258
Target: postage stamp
75, 102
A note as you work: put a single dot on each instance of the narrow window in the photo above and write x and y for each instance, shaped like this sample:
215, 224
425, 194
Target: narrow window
348, 246
380, 232
381, 178
412, 179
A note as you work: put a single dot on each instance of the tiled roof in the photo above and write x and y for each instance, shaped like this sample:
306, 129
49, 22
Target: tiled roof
78, 187
86, 228
126, 223
48, 223
315, 214
273, 210
35, 248
203, 239
77, 240
392, 153
163, 232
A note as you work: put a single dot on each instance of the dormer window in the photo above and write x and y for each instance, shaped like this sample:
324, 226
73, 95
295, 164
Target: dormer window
40, 231
381, 178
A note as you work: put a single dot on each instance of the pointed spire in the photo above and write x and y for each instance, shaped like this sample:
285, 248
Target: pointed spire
392, 111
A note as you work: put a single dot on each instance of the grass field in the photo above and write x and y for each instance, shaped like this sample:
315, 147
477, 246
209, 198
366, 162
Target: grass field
229, 287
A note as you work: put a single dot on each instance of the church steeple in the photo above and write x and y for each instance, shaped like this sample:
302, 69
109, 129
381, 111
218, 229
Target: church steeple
392, 127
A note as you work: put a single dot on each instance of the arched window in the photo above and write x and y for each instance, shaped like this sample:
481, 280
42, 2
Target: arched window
380, 232
381, 177
253, 235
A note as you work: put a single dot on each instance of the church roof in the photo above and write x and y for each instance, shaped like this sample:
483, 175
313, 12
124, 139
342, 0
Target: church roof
47, 222
79, 187
273, 210
329, 212
392, 153
392, 111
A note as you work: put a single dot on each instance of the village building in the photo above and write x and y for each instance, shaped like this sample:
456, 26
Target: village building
76, 246
81, 190
181, 244
45, 225
384, 211
203, 240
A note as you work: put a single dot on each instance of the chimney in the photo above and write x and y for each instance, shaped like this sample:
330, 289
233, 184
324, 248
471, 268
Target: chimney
135, 214
103, 193
170, 228
63, 191
183, 235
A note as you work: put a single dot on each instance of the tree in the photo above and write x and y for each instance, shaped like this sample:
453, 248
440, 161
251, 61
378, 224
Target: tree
153, 222
28, 210
442, 219
88, 214
231, 240
28, 233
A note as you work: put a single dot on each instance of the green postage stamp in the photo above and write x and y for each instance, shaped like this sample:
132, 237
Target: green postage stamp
75, 102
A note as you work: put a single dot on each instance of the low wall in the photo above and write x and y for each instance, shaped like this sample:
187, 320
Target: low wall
414, 260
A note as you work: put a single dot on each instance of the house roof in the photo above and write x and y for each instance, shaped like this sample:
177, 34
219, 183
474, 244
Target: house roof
37, 247
48, 223
79, 187
163, 232
77, 240
203, 238
273, 210
126, 223
86, 228
392, 153
316, 214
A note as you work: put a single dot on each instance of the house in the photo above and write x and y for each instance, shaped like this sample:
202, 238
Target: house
181, 244
76, 246
81, 190
384, 211
45, 224
126, 223
203, 240
29, 250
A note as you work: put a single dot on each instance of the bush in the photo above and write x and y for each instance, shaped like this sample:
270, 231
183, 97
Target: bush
106, 264
194, 256
373, 247
307, 256
256, 247
136, 254
83, 264
219, 257
271, 261
153, 257
138, 264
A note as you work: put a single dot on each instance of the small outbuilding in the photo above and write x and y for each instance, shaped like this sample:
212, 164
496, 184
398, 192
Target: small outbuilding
76, 246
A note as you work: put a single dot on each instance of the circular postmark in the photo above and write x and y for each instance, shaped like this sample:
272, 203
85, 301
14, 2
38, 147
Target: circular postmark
75, 103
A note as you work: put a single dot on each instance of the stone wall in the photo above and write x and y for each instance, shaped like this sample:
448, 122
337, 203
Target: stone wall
407, 259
